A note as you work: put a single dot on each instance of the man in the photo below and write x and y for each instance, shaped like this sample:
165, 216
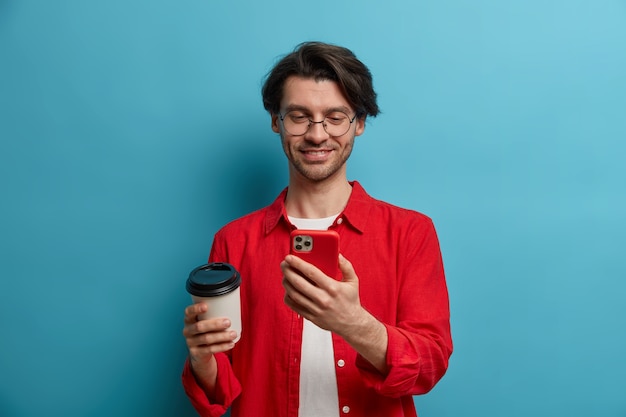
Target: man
311, 345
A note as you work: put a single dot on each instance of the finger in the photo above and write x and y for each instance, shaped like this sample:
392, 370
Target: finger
297, 308
193, 311
306, 270
209, 340
298, 286
299, 301
204, 351
206, 326
198, 352
347, 270
217, 324
212, 338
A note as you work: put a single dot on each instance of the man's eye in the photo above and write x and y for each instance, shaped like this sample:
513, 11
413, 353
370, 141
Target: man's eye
336, 118
297, 118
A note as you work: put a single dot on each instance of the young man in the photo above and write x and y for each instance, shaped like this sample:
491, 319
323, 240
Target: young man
311, 345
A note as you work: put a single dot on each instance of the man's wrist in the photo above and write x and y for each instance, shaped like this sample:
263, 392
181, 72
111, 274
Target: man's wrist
368, 336
205, 373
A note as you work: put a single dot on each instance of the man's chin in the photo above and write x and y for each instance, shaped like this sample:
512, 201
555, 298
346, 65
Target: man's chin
316, 175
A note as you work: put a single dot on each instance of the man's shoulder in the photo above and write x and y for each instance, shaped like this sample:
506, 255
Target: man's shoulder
369, 213
245, 223
397, 213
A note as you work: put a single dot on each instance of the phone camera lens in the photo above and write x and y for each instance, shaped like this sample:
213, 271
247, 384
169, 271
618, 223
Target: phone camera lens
307, 243
299, 247
298, 239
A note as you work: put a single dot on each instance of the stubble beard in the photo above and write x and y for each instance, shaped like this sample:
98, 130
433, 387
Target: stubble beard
321, 171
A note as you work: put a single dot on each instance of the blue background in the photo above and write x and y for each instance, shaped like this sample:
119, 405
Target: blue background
132, 130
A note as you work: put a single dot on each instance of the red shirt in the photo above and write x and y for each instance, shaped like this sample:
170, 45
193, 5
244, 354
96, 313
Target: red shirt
396, 255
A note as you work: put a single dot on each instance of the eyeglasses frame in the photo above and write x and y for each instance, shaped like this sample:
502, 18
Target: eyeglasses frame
312, 122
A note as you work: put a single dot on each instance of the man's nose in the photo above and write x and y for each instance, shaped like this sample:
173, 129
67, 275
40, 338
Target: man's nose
316, 132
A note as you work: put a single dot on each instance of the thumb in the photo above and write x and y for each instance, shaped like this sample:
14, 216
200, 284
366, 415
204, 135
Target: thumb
347, 270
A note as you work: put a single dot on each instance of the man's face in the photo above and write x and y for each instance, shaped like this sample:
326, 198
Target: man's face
316, 155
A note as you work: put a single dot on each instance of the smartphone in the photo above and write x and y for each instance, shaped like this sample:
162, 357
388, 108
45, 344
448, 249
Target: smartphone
317, 247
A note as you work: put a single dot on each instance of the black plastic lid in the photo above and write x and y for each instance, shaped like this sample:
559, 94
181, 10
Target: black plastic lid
213, 279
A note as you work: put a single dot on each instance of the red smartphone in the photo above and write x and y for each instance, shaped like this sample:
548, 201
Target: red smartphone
317, 247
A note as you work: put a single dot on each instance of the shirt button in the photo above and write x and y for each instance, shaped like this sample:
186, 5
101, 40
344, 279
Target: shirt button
345, 409
340, 363
339, 220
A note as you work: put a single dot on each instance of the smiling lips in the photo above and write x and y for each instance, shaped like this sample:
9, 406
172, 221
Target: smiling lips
316, 154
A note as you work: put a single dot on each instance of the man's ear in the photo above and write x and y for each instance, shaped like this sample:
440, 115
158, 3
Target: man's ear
360, 126
275, 126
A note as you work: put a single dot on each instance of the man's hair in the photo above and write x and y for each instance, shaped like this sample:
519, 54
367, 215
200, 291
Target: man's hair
322, 61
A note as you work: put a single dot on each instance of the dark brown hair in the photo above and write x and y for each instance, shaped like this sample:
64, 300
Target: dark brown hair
322, 61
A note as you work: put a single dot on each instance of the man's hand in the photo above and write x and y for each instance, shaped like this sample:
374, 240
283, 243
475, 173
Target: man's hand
205, 338
335, 306
328, 303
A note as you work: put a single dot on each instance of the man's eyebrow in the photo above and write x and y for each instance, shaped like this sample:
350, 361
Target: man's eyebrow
294, 107
304, 109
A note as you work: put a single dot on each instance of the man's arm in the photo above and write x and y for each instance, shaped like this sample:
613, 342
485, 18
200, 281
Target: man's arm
205, 338
335, 306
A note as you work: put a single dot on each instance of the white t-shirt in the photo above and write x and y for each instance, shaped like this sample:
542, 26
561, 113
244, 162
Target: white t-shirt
318, 382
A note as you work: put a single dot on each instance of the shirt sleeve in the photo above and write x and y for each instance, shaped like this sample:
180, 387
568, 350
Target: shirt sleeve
228, 386
226, 390
419, 343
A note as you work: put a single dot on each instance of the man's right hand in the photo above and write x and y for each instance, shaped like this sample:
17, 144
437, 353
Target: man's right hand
205, 338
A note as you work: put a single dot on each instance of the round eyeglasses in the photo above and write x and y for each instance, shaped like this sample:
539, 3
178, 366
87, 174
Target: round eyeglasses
297, 123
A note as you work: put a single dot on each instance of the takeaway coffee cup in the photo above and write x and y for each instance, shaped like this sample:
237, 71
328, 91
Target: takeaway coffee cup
217, 285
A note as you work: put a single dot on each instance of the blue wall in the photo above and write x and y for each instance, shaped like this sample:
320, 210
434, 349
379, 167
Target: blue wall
130, 131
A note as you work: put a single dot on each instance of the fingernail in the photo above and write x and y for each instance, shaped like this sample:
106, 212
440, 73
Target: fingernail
226, 323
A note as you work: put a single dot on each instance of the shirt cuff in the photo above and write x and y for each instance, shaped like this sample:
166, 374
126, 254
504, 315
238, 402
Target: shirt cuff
226, 390
403, 361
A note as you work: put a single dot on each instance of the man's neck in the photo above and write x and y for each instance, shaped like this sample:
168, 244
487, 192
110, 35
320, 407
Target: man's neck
308, 200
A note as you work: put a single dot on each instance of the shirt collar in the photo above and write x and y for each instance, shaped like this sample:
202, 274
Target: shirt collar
356, 213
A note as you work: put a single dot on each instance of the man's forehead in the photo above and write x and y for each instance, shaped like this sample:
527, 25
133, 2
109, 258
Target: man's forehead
309, 94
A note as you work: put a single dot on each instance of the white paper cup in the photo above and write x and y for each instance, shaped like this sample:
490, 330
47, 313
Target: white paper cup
217, 285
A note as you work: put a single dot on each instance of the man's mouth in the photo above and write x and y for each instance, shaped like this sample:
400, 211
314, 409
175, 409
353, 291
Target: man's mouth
316, 155
318, 152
